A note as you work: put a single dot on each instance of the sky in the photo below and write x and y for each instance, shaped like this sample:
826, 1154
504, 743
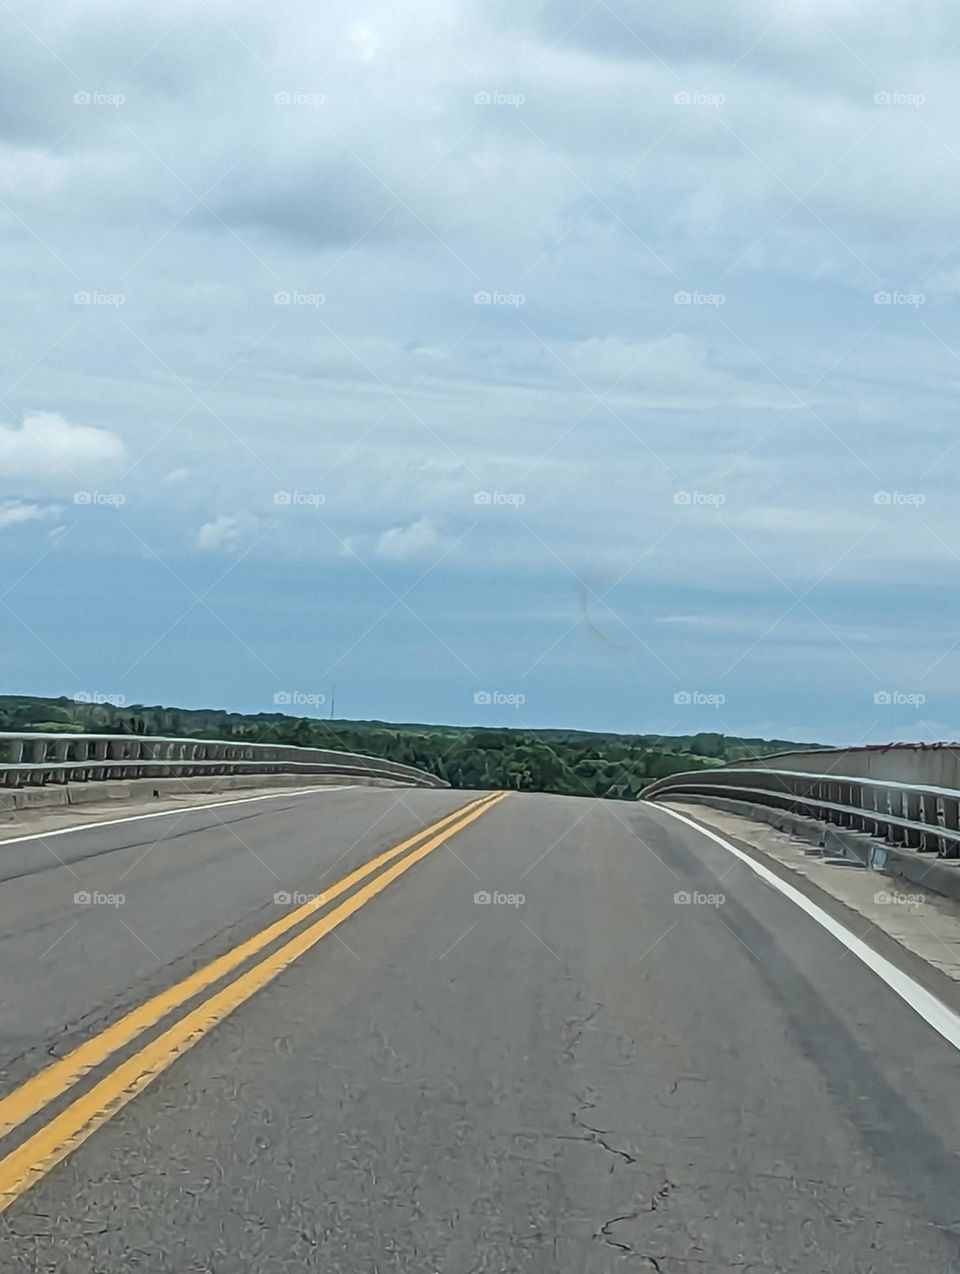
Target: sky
531, 364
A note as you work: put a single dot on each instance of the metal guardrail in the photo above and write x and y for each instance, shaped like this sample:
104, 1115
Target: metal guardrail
37, 759
908, 814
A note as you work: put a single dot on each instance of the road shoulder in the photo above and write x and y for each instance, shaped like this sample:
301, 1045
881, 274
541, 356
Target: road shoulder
914, 928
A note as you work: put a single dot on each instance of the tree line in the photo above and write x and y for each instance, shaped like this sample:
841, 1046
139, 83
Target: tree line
572, 762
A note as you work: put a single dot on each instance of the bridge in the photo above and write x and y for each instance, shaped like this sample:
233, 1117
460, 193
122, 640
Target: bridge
267, 1010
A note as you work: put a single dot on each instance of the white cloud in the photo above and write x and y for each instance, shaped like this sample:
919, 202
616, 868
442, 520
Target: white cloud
47, 450
364, 39
16, 512
223, 532
401, 543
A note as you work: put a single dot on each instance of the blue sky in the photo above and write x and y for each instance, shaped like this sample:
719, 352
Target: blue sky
599, 360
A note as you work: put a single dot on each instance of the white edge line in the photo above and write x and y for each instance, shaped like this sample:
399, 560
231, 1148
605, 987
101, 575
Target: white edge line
180, 809
933, 1011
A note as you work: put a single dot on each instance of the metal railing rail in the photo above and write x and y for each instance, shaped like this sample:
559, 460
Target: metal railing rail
909, 814
37, 759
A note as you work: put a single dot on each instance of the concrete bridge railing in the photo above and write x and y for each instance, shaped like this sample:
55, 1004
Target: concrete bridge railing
926, 764
39, 759
907, 794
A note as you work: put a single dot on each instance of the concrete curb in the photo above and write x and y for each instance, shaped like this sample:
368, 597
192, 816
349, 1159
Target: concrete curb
124, 791
940, 876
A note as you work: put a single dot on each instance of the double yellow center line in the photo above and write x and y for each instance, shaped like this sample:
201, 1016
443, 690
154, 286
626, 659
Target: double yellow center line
34, 1158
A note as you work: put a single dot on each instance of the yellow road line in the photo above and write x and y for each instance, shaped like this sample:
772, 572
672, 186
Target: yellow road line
42, 1088
24, 1166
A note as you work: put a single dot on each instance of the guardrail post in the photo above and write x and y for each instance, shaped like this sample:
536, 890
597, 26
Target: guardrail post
60, 749
951, 817
870, 801
11, 778
889, 829
100, 751
924, 839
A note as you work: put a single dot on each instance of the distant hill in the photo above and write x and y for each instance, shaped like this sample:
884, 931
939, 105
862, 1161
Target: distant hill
575, 762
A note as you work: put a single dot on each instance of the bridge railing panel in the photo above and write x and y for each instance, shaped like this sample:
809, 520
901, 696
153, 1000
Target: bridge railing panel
30, 759
913, 815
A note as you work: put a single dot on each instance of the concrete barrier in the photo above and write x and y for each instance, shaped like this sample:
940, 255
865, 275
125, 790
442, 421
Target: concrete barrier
938, 875
925, 764
19, 800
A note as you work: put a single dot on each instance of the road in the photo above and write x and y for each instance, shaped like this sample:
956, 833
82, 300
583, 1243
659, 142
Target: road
581, 1074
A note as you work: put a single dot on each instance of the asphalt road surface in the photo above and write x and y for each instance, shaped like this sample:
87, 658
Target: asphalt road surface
551, 1035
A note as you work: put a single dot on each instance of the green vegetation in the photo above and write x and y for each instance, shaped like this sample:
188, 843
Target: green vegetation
575, 762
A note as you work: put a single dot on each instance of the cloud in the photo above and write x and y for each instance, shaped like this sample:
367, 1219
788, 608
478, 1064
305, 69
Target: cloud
16, 512
223, 532
47, 449
402, 543
839, 39
679, 371
364, 40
